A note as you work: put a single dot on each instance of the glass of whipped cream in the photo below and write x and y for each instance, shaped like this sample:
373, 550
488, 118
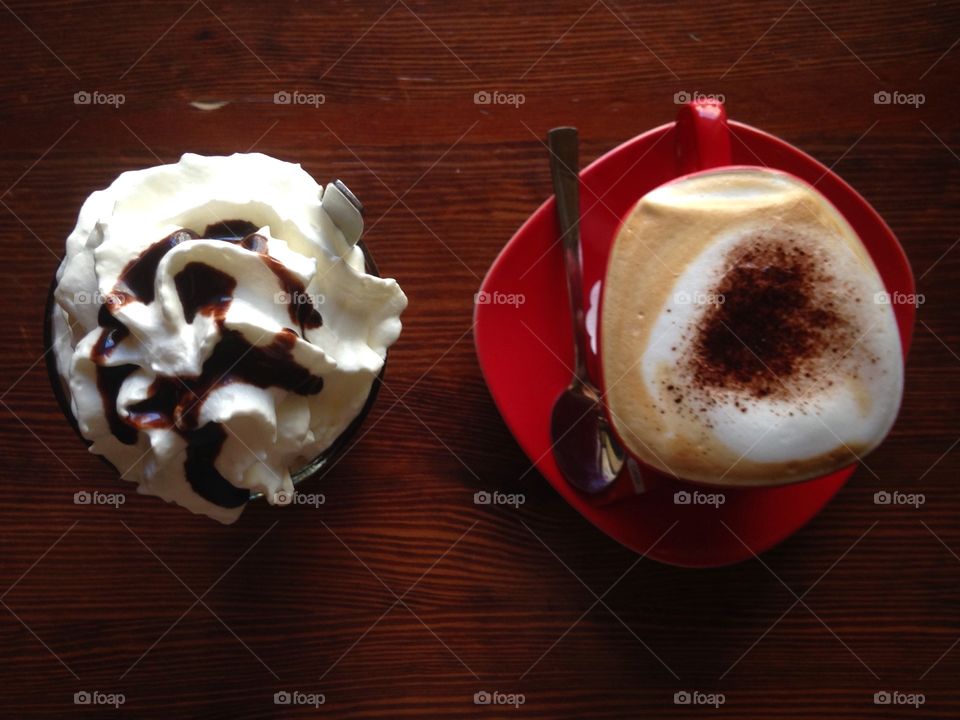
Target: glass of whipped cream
218, 331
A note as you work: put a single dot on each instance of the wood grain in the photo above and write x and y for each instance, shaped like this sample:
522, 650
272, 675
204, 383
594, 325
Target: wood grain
307, 599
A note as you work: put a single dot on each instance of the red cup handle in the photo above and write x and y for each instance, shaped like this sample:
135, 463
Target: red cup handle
703, 138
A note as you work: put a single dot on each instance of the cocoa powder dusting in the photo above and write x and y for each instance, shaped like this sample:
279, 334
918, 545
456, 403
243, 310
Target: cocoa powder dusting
776, 319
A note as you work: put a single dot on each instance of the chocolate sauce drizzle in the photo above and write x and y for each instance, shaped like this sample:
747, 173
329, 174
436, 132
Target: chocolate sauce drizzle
204, 289
176, 402
139, 275
230, 230
300, 305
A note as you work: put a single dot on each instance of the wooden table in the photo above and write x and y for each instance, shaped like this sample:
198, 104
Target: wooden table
399, 597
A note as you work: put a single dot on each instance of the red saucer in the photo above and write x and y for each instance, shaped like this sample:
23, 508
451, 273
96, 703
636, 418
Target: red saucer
525, 348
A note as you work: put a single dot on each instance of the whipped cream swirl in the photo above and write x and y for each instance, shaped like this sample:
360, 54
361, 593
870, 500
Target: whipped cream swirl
214, 328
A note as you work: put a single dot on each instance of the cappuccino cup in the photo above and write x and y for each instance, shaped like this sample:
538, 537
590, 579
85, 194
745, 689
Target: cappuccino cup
745, 338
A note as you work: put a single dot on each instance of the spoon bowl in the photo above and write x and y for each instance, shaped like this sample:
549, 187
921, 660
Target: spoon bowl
584, 448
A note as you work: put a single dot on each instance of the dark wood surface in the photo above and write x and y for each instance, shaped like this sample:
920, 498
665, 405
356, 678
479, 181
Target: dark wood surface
190, 619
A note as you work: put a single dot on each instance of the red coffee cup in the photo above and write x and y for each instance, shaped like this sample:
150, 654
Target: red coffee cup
702, 141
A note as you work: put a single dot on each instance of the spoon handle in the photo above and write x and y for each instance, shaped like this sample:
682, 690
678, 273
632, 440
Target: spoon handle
564, 168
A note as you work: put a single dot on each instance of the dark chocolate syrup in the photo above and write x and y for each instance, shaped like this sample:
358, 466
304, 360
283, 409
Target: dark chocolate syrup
255, 243
300, 305
175, 402
109, 381
229, 230
203, 448
139, 274
113, 333
204, 289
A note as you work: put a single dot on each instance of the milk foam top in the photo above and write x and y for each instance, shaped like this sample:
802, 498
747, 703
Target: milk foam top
746, 337
215, 329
